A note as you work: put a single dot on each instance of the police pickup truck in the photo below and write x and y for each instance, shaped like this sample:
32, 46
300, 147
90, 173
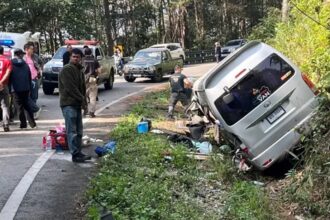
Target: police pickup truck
53, 67
153, 63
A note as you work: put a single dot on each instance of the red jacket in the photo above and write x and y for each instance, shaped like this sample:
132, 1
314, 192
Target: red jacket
5, 64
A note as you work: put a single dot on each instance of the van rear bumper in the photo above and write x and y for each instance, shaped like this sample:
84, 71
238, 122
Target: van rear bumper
281, 146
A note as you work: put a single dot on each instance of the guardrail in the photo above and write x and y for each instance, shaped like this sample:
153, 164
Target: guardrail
199, 56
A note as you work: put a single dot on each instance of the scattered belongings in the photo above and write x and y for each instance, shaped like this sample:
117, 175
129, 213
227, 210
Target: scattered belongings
204, 147
86, 140
109, 147
258, 183
144, 126
55, 139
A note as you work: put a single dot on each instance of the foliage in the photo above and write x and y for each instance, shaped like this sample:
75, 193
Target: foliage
306, 42
310, 186
266, 29
247, 201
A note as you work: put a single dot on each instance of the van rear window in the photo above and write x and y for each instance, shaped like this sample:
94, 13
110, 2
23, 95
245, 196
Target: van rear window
260, 83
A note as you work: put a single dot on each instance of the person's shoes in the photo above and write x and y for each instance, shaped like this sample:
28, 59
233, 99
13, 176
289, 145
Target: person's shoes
37, 114
33, 126
92, 115
80, 158
169, 117
6, 128
23, 126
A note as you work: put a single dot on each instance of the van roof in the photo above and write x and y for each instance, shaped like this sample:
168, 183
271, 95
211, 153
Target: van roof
166, 44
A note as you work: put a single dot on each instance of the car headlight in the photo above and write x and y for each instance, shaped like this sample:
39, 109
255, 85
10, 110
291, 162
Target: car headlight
232, 49
151, 68
47, 69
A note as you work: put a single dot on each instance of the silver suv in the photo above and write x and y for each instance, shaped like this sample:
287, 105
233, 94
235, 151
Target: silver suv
261, 101
231, 46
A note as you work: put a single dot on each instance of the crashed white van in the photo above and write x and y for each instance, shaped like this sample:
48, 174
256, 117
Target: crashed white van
261, 101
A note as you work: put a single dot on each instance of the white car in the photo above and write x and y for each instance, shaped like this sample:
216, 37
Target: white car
174, 48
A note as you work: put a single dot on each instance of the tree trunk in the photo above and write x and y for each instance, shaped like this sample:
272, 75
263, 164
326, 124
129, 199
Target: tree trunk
285, 10
108, 27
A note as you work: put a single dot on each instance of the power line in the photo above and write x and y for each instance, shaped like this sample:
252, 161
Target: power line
310, 17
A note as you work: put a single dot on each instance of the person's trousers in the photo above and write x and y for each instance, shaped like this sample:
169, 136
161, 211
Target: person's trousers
22, 103
175, 98
34, 90
91, 93
74, 127
4, 100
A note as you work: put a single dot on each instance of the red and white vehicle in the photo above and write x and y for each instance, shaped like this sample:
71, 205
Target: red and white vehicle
53, 67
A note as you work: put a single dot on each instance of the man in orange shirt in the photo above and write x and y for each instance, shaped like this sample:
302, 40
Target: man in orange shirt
5, 69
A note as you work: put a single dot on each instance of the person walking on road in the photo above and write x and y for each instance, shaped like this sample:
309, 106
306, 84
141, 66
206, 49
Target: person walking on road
91, 71
179, 84
5, 69
217, 51
67, 54
33, 61
72, 90
20, 84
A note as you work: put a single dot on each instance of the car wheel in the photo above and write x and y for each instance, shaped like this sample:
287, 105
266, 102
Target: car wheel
129, 78
158, 77
48, 89
108, 85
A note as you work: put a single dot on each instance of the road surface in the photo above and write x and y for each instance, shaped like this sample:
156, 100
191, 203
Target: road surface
44, 185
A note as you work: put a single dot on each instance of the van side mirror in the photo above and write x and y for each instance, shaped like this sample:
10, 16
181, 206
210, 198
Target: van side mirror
228, 98
165, 58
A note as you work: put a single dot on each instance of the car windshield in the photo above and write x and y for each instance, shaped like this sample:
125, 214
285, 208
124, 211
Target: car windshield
259, 84
59, 53
233, 43
144, 55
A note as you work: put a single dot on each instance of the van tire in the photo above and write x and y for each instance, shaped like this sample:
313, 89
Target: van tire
129, 78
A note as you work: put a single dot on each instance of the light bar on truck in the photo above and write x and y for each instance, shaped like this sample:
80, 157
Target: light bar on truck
8, 43
83, 42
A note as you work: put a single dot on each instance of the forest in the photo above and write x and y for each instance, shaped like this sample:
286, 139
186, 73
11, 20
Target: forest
136, 23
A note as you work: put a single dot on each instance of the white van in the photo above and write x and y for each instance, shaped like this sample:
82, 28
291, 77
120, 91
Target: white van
261, 101
174, 48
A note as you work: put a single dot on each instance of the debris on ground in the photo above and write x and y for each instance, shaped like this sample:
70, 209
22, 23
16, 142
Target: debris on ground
109, 147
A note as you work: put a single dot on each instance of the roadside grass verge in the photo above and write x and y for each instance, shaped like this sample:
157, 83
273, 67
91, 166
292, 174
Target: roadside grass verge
139, 182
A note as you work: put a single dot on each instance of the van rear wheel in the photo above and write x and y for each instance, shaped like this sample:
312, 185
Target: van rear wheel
108, 85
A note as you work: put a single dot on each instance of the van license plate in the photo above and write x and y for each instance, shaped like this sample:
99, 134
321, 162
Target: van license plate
275, 115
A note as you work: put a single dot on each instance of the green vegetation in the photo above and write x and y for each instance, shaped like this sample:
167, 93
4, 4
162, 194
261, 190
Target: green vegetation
247, 201
137, 182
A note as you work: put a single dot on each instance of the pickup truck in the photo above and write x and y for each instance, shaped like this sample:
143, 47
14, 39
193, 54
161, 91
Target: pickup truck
53, 67
153, 63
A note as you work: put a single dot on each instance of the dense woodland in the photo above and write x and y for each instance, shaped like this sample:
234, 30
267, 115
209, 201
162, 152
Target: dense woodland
135, 23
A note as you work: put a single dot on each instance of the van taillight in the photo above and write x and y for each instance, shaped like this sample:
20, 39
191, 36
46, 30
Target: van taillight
267, 162
310, 84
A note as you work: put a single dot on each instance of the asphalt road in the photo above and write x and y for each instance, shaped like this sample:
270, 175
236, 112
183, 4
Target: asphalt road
57, 189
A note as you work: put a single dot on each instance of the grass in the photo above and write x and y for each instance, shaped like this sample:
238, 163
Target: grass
137, 182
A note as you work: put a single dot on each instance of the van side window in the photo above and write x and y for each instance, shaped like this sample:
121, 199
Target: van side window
259, 84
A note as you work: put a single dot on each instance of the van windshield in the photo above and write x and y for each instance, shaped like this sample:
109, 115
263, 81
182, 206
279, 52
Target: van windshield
259, 84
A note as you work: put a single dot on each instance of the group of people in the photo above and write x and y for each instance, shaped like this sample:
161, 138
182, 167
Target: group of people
19, 85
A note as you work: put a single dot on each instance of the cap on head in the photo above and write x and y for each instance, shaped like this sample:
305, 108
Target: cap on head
19, 52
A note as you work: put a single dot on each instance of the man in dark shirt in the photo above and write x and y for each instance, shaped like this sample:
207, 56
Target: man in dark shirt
72, 91
67, 54
179, 85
